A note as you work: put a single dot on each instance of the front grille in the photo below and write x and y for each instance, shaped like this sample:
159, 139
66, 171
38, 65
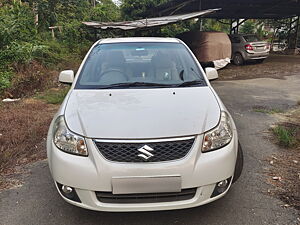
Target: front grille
108, 197
145, 152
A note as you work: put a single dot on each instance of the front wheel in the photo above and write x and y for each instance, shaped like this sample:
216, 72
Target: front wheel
239, 164
238, 59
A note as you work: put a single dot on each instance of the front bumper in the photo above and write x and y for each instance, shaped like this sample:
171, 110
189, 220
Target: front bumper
94, 173
89, 201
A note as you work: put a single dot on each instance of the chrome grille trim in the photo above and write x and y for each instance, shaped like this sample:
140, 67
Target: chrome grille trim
145, 141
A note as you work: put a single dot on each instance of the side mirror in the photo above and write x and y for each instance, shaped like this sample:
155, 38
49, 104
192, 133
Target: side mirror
211, 73
66, 77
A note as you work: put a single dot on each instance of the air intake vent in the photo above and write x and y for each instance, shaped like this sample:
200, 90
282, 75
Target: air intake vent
108, 197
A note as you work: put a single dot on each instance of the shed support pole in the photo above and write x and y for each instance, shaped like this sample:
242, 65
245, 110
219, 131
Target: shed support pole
95, 34
293, 33
231, 25
234, 28
297, 38
200, 19
53, 34
289, 33
235, 24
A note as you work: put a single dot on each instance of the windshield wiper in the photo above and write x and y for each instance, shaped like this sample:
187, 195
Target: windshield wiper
190, 83
134, 84
193, 82
181, 75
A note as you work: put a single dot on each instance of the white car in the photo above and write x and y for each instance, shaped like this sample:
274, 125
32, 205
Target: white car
141, 129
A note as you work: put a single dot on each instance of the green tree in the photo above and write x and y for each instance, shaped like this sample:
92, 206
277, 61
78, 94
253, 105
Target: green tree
17, 29
248, 27
105, 11
16, 24
215, 25
133, 9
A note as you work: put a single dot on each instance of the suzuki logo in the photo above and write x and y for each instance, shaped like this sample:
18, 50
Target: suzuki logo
145, 152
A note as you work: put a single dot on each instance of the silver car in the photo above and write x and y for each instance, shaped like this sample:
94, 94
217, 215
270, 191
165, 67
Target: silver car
246, 47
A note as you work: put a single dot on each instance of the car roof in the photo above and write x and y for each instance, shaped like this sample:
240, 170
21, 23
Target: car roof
138, 39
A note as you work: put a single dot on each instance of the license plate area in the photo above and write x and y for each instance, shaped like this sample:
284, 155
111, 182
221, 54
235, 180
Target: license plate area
261, 48
136, 185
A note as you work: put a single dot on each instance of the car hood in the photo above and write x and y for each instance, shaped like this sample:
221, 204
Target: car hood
142, 113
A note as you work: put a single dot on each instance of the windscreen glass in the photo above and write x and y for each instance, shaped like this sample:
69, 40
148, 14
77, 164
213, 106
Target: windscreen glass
138, 64
251, 38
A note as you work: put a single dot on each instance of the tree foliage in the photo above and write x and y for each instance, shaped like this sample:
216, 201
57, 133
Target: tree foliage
106, 11
215, 25
16, 24
133, 9
25, 36
248, 27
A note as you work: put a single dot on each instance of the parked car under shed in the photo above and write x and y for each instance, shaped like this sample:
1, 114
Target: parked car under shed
212, 49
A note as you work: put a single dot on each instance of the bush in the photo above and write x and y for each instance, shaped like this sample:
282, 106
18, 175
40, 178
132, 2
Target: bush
16, 24
73, 33
19, 52
5, 80
50, 53
285, 135
54, 96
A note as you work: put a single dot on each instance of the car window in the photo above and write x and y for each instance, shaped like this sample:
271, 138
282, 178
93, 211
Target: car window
251, 38
235, 39
168, 64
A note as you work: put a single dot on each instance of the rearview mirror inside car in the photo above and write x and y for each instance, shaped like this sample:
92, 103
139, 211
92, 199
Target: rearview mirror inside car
211, 73
66, 76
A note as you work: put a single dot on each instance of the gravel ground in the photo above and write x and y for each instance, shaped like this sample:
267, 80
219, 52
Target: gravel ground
275, 66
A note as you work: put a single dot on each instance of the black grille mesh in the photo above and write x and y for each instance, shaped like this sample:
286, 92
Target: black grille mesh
108, 197
128, 152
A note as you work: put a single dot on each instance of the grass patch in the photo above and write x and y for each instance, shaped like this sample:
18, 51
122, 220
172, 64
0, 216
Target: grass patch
268, 111
286, 135
54, 95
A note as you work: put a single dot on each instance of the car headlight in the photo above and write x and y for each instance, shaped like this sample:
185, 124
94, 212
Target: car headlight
219, 136
66, 141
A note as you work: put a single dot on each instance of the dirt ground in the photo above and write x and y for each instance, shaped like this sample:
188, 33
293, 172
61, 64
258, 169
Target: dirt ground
275, 66
284, 177
284, 171
23, 131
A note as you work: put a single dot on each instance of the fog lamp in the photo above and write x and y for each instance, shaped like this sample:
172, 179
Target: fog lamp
221, 187
68, 192
222, 184
66, 189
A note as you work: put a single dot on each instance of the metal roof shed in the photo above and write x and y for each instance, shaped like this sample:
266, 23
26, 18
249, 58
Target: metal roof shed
231, 9
148, 22
237, 10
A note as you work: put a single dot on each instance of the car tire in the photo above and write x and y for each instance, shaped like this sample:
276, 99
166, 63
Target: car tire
238, 59
260, 60
239, 164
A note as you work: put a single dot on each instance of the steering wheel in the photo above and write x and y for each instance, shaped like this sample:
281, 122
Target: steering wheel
114, 71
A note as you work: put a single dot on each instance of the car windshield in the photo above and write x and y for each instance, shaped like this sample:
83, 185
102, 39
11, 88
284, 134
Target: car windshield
139, 65
251, 38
